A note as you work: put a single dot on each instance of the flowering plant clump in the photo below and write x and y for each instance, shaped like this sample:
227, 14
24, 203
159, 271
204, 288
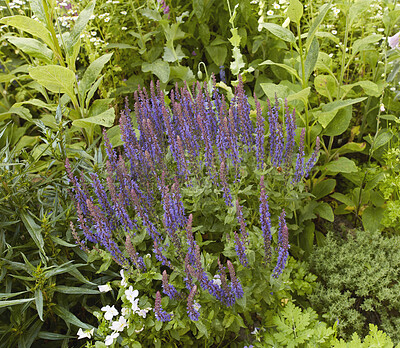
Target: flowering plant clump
198, 150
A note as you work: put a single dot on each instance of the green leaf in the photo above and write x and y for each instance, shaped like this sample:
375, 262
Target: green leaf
352, 147
361, 44
237, 62
52, 336
92, 73
341, 165
372, 217
34, 230
317, 22
311, 59
39, 303
357, 8
75, 290
69, 318
329, 110
217, 53
198, 8
325, 211
307, 237
33, 47
38, 10
55, 78
295, 11
202, 328
14, 302
283, 33
6, 77
284, 66
20, 111
159, 68
79, 26
325, 85
31, 26
105, 119
382, 139
369, 87
323, 188
340, 122
37, 102
343, 199
302, 95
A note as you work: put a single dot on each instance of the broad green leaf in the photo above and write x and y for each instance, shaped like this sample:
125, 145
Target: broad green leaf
105, 119
14, 302
282, 33
33, 47
39, 103
182, 73
361, 44
329, 110
38, 10
159, 68
270, 89
284, 66
325, 85
92, 73
75, 290
372, 217
311, 59
341, 165
7, 77
26, 141
351, 147
55, 78
317, 22
307, 237
198, 8
31, 26
302, 95
382, 139
323, 188
217, 53
202, 328
151, 14
343, 199
369, 87
357, 9
340, 123
295, 11
69, 318
39, 303
52, 336
80, 25
34, 230
325, 211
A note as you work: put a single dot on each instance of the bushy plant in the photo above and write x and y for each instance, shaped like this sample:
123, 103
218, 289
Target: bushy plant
358, 282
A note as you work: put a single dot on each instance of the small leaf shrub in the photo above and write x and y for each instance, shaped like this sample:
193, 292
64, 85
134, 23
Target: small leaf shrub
358, 283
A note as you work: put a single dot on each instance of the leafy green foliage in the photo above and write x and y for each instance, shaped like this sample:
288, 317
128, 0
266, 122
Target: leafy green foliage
358, 282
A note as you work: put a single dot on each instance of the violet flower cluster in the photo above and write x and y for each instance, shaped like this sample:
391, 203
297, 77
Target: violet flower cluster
198, 136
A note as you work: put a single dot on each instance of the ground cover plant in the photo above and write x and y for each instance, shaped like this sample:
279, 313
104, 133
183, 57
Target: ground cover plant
272, 123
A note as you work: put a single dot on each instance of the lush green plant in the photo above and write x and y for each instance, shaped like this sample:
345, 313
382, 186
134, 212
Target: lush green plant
358, 282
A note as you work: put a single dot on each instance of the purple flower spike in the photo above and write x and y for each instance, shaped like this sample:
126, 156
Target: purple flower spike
160, 314
299, 172
168, 289
311, 162
193, 313
225, 187
240, 249
265, 221
260, 150
236, 286
283, 246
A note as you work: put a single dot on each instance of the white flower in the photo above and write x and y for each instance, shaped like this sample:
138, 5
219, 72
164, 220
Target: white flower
143, 312
382, 107
102, 15
131, 294
123, 13
93, 33
255, 331
140, 330
124, 28
85, 334
110, 312
107, 287
286, 22
124, 283
119, 325
334, 32
110, 339
107, 19
125, 311
217, 280
270, 13
196, 305
276, 6
135, 306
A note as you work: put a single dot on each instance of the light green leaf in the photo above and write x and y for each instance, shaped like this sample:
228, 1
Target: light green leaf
357, 8
369, 87
283, 33
295, 11
325, 211
92, 73
217, 53
20, 111
39, 303
324, 188
80, 25
284, 66
198, 8
31, 26
341, 165
352, 147
105, 119
340, 123
270, 89
75, 290
38, 10
34, 230
33, 48
316, 23
6, 77
325, 85
311, 59
14, 302
363, 43
159, 68
372, 217
237, 62
302, 95
55, 78
382, 139
37, 102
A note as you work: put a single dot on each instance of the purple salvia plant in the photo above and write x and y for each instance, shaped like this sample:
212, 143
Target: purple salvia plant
168, 288
240, 249
191, 310
265, 221
299, 171
260, 130
283, 246
224, 183
235, 283
160, 314
290, 134
226, 295
313, 159
242, 223
134, 255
